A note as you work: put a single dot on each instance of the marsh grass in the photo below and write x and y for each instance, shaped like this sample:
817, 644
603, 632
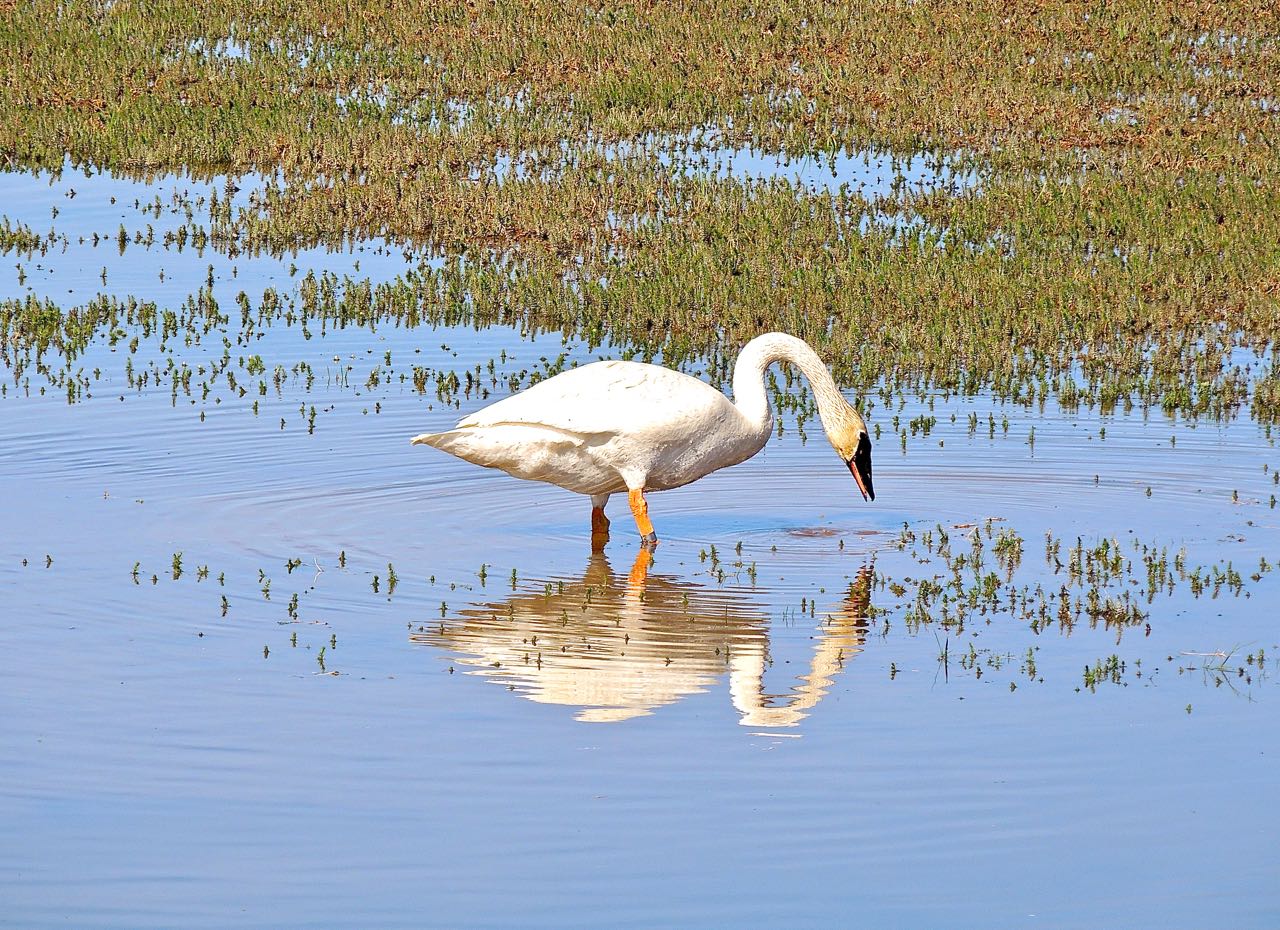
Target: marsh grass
1119, 245
1099, 585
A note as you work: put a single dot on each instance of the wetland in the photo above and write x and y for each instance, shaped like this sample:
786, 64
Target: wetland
263, 663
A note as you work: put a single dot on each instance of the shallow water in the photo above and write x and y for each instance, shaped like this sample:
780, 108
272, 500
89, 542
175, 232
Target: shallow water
762, 726
704, 154
79, 213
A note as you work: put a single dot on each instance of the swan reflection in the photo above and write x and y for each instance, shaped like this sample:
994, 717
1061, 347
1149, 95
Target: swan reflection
618, 646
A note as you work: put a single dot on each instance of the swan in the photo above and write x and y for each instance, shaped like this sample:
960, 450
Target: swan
616, 426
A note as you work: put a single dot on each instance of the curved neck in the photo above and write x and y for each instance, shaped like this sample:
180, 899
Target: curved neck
748, 378
842, 638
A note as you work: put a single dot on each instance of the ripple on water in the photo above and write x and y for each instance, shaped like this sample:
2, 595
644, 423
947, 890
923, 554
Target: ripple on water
132, 693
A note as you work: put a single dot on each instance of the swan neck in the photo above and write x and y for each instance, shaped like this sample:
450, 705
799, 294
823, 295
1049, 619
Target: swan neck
758, 354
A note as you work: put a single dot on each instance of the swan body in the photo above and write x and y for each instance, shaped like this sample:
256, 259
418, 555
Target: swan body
617, 426
605, 427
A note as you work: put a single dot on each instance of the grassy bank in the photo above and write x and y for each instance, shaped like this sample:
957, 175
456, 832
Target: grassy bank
1114, 241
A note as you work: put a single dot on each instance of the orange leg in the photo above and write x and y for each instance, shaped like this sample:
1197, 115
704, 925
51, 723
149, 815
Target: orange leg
640, 510
599, 529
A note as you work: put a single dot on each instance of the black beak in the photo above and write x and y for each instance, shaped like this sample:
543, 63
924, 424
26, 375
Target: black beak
860, 468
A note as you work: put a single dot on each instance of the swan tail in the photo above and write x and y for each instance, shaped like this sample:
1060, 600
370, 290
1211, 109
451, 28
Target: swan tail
460, 442
466, 444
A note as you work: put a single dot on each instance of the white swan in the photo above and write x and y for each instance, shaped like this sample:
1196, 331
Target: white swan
620, 426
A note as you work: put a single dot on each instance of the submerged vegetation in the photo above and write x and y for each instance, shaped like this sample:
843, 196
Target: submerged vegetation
1099, 220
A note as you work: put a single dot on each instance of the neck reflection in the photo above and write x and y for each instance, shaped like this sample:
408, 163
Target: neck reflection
619, 646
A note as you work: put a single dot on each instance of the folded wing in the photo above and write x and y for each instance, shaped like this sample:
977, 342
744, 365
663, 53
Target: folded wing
607, 398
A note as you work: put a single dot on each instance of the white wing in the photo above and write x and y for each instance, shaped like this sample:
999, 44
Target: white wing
609, 398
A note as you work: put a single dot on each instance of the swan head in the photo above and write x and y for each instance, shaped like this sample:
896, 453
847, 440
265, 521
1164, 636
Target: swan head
852, 443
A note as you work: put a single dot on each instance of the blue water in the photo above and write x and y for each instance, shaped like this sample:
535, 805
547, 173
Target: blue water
157, 769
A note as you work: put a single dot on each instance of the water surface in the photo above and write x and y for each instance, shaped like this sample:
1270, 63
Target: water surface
262, 667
